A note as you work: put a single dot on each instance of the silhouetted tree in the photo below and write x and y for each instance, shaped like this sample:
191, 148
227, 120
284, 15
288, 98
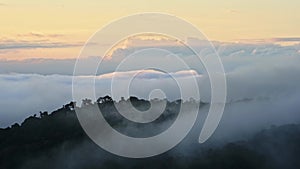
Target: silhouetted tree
105, 99
86, 102
71, 105
59, 141
43, 114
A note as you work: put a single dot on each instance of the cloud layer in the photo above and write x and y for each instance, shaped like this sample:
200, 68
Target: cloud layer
264, 75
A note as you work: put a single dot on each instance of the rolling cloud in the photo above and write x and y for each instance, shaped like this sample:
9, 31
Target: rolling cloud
25, 94
266, 76
233, 55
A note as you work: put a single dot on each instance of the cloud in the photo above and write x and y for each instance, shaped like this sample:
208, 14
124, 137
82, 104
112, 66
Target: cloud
40, 45
273, 80
41, 35
233, 55
264, 75
149, 74
25, 94
35, 40
44, 66
8, 45
232, 11
290, 39
271, 40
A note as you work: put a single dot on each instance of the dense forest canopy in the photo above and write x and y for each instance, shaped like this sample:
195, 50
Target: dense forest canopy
56, 140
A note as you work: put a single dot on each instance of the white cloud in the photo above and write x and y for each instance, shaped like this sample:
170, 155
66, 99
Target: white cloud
264, 73
25, 94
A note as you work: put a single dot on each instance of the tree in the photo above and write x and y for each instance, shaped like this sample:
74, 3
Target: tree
105, 99
86, 102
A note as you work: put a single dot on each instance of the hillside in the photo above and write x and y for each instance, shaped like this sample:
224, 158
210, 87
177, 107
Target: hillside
56, 140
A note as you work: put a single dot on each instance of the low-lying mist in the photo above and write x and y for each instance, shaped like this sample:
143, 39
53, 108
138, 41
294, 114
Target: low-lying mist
244, 139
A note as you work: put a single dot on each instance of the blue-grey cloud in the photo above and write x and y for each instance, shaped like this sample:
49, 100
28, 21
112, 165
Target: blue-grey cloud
37, 45
271, 40
234, 55
265, 74
287, 39
35, 40
43, 66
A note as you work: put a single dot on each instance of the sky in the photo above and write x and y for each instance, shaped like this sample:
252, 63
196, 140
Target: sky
57, 29
258, 42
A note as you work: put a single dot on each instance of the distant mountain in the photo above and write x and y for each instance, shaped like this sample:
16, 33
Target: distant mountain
57, 141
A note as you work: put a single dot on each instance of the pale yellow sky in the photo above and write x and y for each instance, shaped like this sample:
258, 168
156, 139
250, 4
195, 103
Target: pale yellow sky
76, 21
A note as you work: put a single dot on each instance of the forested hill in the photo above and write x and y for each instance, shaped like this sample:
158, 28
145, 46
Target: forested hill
56, 141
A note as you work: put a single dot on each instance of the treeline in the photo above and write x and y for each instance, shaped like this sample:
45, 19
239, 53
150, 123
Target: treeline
57, 141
